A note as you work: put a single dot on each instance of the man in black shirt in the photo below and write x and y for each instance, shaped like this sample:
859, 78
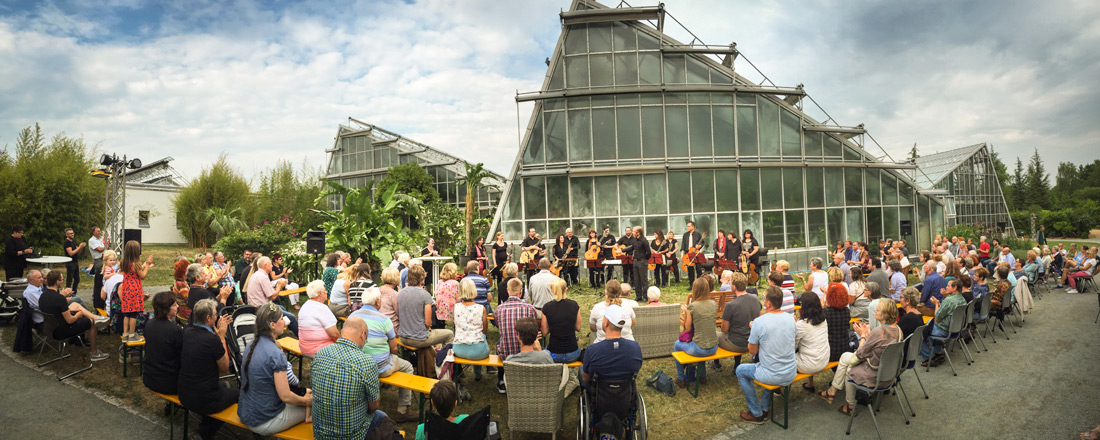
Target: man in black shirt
692, 238
627, 242
573, 245
72, 318
641, 253
15, 253
72, 268
239, 267
606, 242
530, 244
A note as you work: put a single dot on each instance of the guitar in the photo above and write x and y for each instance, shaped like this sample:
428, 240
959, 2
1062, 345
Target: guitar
749, 269
528, 256
593, 252
693, 255
560, 263
617, 251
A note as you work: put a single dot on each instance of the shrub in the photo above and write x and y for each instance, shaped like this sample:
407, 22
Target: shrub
266, 238
220, 186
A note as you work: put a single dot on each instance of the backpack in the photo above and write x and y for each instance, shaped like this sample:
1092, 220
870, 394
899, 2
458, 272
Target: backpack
610, 427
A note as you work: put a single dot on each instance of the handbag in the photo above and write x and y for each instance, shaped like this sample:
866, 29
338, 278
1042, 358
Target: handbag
662, 383
688, 335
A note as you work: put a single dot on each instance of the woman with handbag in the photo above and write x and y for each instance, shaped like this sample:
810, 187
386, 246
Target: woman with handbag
862, 365
702, 343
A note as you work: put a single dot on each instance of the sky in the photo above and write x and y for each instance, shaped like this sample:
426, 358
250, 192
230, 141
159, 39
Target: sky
264, 81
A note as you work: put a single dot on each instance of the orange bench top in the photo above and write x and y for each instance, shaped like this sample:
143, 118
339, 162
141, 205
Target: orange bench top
797, 378
289, 344
229, 415
684, 358
491, 361
302, 431
289, 292
420, 384
169, 397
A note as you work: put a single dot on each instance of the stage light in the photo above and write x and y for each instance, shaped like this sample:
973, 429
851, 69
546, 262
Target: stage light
135, 163
107, 160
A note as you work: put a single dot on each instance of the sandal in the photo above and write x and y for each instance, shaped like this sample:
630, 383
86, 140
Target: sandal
824, 395
809, 388
847, 410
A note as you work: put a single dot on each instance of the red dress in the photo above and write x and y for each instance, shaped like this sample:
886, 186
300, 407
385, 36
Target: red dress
131, 293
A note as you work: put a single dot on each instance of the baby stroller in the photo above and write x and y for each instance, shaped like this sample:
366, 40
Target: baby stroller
240, 333
10, 293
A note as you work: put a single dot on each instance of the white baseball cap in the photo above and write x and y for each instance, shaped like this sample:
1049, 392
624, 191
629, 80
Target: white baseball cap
616, 315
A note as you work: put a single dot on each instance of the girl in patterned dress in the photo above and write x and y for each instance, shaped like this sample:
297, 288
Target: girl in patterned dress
131, 291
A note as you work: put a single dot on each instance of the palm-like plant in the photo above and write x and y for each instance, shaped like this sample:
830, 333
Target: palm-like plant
473, 181
366, 226
224, 220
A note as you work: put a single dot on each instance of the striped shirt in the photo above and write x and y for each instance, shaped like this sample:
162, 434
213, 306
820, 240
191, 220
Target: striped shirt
506, 315
227, 280
345, 381
379, 333
788, 293
482, 285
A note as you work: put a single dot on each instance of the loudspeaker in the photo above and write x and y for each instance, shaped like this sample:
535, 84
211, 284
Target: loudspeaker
131, 234
1001, 226
906, 228
315, 242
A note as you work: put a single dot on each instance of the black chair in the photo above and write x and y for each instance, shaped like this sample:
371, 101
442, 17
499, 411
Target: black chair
889, 368
474, 426
49, 327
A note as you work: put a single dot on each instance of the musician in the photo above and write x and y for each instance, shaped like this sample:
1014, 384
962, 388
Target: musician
640, 248
733, 248
500, 257
561, 249
477, 253
626, 241
529, 244
673, 249
751, 248
573, 245
720, 246
692, 238
595, 268
659, 247
607, 241
429, 251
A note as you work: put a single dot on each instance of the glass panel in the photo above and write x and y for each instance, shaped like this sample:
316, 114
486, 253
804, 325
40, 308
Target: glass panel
874, 224
580, 136
792, 143
834, 221
796, 236
601, 70
607, 195
751, 221
746, 131
649, 67
815, 187
555, 228
702, 190
610, 222
533, 153
771, 188
890, 227
937, 218
632, 222
678, 224
652, 224
513, 231
889, 189
832, 146
599, 37
906, 213
656, 196
653, 133
553, 104
792, 188
534, 198
647, 42
581, 191
750, 189
853, 186
650, 98
555, 137
717, 77
924, 237
603, 133
576, 71
905, 193
511, 209
576, 39
855, 224
680, 182
813, 144
723, 132
816, 221
580, 102
624, 37
773, 229
870, 179
697, 72
676, 128
746, 99
630, 194
580, 230
704, 223
730, 222
626, 68
630, 142
557, 79
769, 127
725, 184
675, 70
851, 154
699, 118
603, 101
557, 196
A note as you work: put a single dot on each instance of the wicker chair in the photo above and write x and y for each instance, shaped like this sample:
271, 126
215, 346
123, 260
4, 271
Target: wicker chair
656, 329
536, 395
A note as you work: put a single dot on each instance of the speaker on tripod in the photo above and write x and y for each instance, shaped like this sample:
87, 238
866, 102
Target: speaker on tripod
315, 242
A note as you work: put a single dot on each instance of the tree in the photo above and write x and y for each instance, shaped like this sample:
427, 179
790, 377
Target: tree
1002, 174
1037, 183
913, 155
1019, 193
473, 182
224, 221
365, 227
286, 195
412, 180
219, 186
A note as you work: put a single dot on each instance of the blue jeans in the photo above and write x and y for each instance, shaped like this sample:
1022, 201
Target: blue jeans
687, 372
927, 347
293, 326
375, 421
565, 358
746, 373
474, 352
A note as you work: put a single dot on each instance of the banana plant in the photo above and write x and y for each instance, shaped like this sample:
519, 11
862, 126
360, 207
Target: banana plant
365, 225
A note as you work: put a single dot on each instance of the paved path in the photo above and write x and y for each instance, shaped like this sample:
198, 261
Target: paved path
1042, 384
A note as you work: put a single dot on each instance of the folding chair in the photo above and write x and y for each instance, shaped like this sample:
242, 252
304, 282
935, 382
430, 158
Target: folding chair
889, 368
912, 345
954, 332
49, 326
971, 307
982, 312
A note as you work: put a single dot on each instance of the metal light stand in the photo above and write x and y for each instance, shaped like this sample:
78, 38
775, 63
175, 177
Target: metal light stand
115, 204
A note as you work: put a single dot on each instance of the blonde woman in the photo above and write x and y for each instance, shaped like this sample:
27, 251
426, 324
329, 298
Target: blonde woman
561, 319
704, 342
612, 291
471, 323
391, 277
445, 293
338, 300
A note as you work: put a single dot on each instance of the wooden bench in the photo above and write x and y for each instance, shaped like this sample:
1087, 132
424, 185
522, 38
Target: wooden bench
494, 361
302, 431
419, 384
284, 295
785, 392
290, 345
127, 348
720, 299
173, 403
683, 358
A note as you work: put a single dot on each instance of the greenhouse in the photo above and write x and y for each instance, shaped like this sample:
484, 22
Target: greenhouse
364, 152
633, 128
970, 188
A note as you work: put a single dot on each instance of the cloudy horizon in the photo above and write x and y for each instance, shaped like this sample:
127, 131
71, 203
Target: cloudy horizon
269, 81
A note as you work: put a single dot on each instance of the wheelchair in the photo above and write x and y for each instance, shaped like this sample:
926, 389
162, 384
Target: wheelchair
620, 396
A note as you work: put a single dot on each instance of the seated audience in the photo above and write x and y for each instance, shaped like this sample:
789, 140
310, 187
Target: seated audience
653, 295
539, 284
260, 291
381, 346
72, 318
196, 278
203, 359
345, 388
912, 318
933, 284
952, 298
874, 292
446, 292
506, 316
316, 323
1084, 270
857, 290
356, 285
267, 402
818, 280
387, 304
704, 341
776, 279
898, 281
561, 320
444, 397
511, 270
414, 307
861, 366
725, 283
331, 273
530, 350
163, 343
35, 283
484, 295
471, 324
611, 292
772, 340
811, 340
737, 314
180, 287
615, 357
338, 296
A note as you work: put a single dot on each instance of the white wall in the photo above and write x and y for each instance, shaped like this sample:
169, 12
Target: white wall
162, 217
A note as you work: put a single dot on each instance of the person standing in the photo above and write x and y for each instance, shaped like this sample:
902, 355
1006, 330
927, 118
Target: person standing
1041, 237
641, 264
573, 244
595, 268
96, 246
429, 251
15, 253
670, 258
659, 246
131, 292
607, 241
72, 268
691, 239
625, 242
500, 257
239, 268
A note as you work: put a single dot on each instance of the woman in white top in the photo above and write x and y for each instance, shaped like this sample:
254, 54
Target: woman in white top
470, 326
811, 340
316, 323
612, 291
818, 281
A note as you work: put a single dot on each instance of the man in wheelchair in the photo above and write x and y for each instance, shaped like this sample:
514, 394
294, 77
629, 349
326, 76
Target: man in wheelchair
610, 404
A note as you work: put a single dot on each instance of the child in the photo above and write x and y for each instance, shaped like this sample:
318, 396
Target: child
444, 397
131, 291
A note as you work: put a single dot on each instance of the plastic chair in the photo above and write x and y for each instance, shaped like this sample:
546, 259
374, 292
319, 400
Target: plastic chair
474, 426
954, 331
889, 367
984, 304
971, 307
912, 356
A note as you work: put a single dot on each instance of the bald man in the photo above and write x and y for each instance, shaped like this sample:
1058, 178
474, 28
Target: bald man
345, 387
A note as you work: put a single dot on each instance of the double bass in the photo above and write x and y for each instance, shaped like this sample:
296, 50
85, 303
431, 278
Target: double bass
692, 255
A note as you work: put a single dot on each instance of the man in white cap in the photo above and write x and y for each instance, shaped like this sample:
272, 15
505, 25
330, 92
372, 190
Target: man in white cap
615, 357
